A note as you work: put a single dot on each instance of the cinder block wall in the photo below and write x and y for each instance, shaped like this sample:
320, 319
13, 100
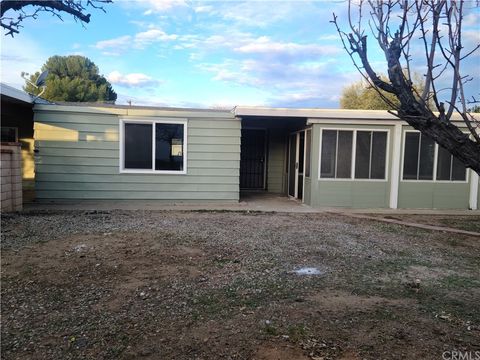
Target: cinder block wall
11, 176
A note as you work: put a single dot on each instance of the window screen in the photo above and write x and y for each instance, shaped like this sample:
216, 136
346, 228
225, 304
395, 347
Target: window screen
419, 159
362, 155
344, 157
449, 167
371, 153
169, 147
337, 153
138, 146
379, 153
444, 164
329, 153
410, 158
427, 153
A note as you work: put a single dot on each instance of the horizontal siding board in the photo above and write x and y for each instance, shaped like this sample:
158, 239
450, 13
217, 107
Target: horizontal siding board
85, 148
213, 124
133, 187
134, 178
90, 161
69, 136
108, 124
89, 145
95, 144
69, 152
220, 140
136, 195
65, 118
112, 134
214, 132
77, 127
63, 160
233, 156
55, 169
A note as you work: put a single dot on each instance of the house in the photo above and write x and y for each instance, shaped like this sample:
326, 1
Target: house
324, 158
17, 164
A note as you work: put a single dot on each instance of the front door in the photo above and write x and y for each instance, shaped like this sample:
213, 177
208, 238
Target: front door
252, 161
296, 161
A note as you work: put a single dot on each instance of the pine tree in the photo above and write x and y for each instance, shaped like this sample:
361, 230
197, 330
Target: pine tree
73, 78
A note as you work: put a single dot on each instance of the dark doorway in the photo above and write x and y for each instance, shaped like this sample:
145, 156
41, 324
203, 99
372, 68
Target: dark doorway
252, 161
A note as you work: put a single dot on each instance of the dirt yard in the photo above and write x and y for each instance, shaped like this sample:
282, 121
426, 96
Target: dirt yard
222, 285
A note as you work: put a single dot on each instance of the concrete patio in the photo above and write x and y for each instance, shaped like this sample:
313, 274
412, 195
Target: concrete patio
249, 201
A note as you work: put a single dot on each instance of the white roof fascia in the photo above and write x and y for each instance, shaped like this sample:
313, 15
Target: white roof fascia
314, 113
320, 115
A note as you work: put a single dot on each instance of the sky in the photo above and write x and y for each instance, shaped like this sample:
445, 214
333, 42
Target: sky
215, 54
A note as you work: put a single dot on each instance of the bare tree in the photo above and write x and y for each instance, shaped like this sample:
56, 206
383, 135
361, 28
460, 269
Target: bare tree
18, 11
437, 26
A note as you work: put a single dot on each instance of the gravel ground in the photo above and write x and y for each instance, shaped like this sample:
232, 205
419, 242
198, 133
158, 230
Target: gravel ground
203, 285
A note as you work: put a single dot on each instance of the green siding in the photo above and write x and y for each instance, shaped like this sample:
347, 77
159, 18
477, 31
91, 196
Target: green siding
307, 191
433, 195
276, 176
78, 158
347, 193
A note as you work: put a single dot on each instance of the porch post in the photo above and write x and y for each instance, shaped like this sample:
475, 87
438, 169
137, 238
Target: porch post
473, 200
395, 172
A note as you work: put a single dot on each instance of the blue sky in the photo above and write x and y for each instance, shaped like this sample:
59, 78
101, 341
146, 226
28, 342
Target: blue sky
208, 53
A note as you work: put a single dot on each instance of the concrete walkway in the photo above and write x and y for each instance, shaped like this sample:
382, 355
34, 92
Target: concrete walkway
249, 202
408, 223
260, 201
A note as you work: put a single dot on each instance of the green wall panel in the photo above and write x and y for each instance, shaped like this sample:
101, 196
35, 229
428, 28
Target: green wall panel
78, 158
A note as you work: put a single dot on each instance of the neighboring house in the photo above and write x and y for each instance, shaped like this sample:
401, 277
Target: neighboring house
17, 127
324, 158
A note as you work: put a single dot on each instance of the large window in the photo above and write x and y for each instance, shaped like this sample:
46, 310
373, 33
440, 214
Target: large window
353, 154
419, 160
150, 146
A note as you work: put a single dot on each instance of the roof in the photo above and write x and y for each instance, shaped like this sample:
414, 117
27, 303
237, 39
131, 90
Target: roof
314, 113
17, 94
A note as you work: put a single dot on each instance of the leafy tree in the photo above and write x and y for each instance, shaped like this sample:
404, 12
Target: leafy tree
13, 12
360, 95
73, 78
437, 27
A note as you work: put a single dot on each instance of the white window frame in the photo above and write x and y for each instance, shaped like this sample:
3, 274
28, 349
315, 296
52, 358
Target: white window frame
152, 122
354, 153
435, 164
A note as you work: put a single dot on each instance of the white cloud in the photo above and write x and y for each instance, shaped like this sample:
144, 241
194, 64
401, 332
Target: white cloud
160, 6
145, 38
264, 45
132, 80
140, 40
114, 46
204, 9
257, 13
289, 84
